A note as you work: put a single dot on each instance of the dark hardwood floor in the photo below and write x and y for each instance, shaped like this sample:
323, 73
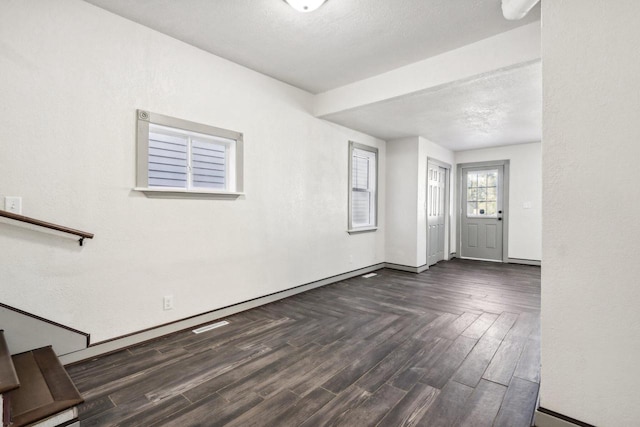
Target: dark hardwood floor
457, 345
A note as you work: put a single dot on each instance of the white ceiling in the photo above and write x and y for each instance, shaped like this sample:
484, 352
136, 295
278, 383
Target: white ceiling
500, 108
342, 42
349, 40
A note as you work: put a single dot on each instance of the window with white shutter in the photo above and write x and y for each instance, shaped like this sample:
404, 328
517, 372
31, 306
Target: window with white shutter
363, 173
177, 157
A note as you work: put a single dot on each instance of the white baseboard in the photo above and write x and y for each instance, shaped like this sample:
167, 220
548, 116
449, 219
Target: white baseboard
524, 261
140, 337
407, 268
545, 418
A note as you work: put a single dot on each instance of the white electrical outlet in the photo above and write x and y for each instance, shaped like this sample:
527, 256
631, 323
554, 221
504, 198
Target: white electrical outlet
13, 204
167, 303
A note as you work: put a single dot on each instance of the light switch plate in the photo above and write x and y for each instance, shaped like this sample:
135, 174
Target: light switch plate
13, 204
167, 302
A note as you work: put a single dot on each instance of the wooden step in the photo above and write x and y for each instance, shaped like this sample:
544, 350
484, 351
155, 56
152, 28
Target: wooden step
8, 377
45, 389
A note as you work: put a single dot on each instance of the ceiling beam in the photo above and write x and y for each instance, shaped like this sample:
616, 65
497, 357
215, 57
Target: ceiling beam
507, 49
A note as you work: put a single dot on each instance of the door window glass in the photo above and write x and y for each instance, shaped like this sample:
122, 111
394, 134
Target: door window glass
482, 191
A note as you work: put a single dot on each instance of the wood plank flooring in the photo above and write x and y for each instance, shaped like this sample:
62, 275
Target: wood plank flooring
457, 345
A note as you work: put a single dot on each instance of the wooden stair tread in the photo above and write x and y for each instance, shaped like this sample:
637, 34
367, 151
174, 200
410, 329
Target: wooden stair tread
8, 377
45, 387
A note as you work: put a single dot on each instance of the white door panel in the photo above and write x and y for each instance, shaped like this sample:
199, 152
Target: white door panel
436, 212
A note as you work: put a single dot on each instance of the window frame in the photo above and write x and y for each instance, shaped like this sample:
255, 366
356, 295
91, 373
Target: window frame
370, 227
234, 167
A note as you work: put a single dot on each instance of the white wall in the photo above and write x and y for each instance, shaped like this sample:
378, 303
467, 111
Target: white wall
402, 202
525, 186
590, 279
71, 78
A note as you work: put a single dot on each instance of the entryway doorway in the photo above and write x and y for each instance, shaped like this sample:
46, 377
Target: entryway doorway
483, 213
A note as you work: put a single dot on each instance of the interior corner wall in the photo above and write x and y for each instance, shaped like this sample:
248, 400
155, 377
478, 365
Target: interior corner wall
406, 239
402, 202
71, 78
525, 194
590, 291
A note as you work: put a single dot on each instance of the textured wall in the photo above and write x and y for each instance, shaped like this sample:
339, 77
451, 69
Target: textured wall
71, 78
590, 291
402, 202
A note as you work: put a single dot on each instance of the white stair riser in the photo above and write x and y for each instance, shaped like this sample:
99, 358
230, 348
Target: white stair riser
59, 418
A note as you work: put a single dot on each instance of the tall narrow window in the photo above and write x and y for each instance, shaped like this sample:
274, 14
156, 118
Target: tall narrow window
179, 157
363, 198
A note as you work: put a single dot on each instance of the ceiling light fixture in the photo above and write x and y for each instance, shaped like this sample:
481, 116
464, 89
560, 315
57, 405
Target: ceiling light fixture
517, 9
305, 5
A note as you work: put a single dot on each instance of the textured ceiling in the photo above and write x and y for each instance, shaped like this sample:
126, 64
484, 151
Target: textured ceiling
500, 108
342, 42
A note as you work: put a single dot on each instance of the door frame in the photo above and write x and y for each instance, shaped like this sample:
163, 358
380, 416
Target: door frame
505, 204
447, 207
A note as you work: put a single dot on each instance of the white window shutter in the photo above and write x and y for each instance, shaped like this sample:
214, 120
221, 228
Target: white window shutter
361, 201
360, 172
167, 161
182, 159
208, 164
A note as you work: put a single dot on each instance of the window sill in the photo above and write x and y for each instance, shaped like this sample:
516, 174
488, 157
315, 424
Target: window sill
176, 193
361, 230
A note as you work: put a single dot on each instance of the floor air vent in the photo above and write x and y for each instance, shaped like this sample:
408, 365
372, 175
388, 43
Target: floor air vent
210, 327
366, 276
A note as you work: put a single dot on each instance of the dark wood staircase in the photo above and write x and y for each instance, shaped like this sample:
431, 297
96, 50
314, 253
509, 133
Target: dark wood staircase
35, 389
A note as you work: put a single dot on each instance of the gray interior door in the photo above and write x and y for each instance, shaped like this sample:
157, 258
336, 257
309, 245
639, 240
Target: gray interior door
482, 213
436, 211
